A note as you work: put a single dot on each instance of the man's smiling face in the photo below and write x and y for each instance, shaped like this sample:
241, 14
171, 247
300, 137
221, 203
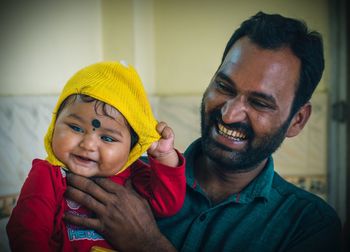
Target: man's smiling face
245, 109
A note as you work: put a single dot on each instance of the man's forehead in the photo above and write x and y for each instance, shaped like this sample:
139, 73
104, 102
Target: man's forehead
235, 52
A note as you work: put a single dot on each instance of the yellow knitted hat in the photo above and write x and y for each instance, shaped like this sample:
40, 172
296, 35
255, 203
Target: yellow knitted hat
119, 86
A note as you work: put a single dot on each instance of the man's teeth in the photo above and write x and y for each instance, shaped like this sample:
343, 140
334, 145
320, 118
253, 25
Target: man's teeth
232, 134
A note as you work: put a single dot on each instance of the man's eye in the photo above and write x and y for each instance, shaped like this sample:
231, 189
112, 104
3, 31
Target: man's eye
108, 139
75, 128
260, 104
224, 88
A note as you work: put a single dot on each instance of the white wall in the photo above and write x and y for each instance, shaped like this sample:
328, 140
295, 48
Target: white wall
44, 42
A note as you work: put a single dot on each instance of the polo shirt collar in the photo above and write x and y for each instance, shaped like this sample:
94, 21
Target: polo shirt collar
259, 188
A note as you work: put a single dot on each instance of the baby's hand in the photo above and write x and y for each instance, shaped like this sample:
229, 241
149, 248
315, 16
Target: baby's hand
163, 149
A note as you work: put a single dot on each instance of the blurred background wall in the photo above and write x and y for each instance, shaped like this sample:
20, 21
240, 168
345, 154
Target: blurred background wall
176, 46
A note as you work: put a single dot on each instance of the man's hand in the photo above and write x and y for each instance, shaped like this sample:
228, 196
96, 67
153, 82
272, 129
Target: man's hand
124, 218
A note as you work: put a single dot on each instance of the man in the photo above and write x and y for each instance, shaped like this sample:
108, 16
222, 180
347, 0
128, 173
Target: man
235, 201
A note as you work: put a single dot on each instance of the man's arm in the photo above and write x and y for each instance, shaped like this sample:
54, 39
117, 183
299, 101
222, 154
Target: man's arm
124, 218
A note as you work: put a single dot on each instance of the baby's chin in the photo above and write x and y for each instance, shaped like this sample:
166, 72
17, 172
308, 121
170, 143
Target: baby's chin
84, 172
90, 174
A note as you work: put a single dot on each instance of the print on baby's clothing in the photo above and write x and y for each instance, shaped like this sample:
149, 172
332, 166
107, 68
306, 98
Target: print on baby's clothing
76, 233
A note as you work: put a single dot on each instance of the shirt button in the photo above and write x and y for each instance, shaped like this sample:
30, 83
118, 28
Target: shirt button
202, 217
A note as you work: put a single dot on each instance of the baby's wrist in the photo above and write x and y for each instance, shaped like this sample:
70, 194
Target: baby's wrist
170, 158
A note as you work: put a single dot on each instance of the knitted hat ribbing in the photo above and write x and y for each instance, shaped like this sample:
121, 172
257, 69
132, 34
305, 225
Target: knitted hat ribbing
120, 87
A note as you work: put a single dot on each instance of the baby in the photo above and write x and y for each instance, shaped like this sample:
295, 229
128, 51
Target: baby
101, 125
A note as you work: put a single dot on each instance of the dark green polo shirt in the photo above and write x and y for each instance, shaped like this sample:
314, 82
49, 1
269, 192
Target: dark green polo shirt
270, 214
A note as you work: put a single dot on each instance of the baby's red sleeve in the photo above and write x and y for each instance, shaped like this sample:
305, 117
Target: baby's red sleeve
31, 224
164, 187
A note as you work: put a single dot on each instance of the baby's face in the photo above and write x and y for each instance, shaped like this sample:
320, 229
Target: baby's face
90, 143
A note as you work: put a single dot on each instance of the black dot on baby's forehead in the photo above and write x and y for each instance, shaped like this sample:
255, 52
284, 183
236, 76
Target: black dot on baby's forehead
96, 123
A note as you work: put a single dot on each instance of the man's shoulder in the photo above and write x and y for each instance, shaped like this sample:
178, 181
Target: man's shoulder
301, 199
309, 214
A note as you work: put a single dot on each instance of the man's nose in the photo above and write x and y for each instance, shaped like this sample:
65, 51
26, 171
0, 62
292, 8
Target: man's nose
234, 110
89, 142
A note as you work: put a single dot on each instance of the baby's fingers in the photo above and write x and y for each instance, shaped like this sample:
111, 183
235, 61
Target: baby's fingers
164, 130
160, 127
153, 147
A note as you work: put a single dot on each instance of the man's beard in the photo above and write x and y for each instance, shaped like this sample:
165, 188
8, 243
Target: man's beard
246, 159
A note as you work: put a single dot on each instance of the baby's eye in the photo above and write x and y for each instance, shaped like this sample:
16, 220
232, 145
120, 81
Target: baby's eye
75, 128
108, 139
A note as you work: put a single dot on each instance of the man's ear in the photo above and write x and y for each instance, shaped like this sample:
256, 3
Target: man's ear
299, 120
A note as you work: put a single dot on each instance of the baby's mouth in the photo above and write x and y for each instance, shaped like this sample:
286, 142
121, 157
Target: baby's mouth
83, 159
236, 135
